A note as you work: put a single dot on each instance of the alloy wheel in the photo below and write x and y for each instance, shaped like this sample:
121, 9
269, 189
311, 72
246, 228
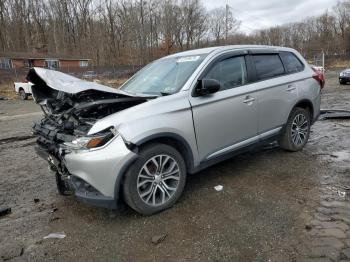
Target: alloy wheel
158, 180
300, 127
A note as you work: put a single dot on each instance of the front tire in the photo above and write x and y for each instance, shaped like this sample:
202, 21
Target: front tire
156, 180
296, 132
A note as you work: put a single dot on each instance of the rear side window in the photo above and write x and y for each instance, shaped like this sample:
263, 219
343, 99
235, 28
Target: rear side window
291, 62
230, 72
268, 66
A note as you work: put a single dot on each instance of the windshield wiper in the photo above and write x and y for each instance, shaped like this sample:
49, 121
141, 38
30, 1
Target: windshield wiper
166, 93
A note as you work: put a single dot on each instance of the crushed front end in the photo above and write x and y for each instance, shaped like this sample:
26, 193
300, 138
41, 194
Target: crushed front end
84, 164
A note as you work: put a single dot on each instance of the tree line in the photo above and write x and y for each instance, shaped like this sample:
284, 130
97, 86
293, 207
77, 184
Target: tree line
113, 32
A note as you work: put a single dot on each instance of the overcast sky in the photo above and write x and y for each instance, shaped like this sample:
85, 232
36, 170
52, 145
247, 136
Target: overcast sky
256, 14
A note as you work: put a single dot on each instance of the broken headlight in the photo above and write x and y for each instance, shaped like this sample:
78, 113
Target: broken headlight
93, 141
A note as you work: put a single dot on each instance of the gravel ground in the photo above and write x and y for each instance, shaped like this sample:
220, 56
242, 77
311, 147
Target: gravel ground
274, 206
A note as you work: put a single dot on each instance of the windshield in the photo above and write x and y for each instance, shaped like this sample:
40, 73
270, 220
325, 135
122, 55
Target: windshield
164, 76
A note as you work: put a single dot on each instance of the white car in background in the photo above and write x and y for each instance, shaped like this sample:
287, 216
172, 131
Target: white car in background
23, 89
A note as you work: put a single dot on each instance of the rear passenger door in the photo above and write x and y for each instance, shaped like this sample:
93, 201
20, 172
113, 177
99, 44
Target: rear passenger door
276, 91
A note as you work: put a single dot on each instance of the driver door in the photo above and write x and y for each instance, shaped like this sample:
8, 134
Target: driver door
227, 119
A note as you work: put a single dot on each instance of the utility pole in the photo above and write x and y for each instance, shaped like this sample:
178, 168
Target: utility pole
323, 61
226, 24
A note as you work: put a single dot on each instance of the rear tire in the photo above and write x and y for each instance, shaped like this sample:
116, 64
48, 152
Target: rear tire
296, 132
23, 95
156, 180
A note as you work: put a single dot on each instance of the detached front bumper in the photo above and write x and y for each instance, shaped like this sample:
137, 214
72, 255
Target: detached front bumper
94, 175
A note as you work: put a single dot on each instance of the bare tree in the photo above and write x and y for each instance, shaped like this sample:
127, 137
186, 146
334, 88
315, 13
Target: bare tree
137, 31
221, 23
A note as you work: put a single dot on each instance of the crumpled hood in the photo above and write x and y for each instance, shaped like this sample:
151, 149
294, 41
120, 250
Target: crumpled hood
75, 102
66, 83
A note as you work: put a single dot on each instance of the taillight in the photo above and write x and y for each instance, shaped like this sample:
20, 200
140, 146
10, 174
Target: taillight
319, 77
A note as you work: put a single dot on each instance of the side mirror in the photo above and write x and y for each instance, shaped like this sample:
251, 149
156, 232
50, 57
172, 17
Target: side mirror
206, 86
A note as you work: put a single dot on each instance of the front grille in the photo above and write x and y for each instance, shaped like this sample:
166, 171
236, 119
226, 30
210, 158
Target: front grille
45, 130
46, 133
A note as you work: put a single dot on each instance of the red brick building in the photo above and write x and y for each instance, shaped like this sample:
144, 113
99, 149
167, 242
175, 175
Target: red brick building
17, 61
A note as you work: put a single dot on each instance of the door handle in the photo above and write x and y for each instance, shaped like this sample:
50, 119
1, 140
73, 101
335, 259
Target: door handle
291, 88
249, 100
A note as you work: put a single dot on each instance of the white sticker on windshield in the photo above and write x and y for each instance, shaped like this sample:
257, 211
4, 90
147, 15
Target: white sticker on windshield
187, 59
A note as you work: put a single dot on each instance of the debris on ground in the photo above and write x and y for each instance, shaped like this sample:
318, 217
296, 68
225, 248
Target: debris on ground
36, 200
334, 114
54, 210
4, 211
219, 188
308, 227
58, 235
301, 201
158, 239
339, 192
54, 219
3, 98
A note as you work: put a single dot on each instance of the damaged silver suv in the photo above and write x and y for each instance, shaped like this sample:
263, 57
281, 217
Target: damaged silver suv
176, 116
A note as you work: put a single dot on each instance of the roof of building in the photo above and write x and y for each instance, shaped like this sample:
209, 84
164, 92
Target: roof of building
27, 55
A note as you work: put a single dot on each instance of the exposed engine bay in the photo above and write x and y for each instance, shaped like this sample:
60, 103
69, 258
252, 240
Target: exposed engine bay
71, 107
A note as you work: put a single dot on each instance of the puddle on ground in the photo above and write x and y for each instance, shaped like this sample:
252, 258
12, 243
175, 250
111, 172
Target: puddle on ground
340, 156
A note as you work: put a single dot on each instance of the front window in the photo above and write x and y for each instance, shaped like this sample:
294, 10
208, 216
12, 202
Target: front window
164, 76
230, 72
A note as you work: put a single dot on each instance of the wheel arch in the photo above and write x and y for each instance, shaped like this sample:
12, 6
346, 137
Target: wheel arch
174, 140
168, 138
306, 104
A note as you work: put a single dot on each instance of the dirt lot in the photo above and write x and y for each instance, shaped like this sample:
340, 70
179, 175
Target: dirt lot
275, 206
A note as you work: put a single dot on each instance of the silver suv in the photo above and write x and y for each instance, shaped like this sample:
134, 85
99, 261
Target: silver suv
176, 116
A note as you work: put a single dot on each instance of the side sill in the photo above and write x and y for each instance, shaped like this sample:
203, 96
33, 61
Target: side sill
210, 162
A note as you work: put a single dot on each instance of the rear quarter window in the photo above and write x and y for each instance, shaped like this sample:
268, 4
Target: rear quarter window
268, 66
291, 62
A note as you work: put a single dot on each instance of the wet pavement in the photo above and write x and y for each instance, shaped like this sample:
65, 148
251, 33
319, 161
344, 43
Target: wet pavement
274, 206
